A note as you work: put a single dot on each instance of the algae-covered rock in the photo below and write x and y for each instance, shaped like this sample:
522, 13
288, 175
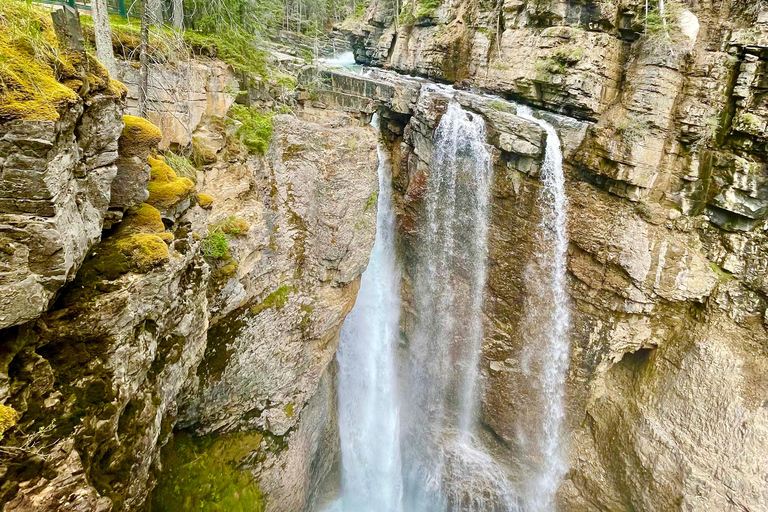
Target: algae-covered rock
206, 473
167, 192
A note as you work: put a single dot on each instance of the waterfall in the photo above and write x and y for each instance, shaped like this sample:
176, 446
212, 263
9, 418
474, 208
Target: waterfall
410, 440
555, 352
444, 465
368, 410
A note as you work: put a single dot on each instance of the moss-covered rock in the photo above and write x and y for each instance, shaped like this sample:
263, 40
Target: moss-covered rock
205, 201
204, 473
8, 418
139, 137
233, 226
138, 244
166, 189
39, 77
145, 251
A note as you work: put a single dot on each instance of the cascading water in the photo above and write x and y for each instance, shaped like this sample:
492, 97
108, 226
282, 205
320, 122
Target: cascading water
431, 458
554, 314
445, 467
368, 409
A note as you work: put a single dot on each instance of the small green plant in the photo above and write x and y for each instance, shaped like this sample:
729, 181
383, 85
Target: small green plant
562, 58
632, 129
662, 27
215, 245
371, 201
427, 8
181, 165
256, 129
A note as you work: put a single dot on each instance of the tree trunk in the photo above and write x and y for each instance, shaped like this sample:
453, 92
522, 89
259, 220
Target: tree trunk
144, 60
103, 35
178, 14
155, 11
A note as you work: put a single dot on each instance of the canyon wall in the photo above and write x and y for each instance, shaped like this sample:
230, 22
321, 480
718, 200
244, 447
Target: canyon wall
664, 134
148, 317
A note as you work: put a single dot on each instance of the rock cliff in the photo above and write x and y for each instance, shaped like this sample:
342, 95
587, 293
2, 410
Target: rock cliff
663, 126
152, 309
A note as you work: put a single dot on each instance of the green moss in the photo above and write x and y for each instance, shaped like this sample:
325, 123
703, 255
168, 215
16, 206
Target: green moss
138, 244
426, 8
206, 474
165, 188
749, 123
8, 418
234, 226
144, 250
561, 59
205, 200
143, 218
721, 274
289, 410
256, 129
276, 299
501, 106
215, 245
38, 78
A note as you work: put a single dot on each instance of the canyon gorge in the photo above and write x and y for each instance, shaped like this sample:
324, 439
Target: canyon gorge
444, 256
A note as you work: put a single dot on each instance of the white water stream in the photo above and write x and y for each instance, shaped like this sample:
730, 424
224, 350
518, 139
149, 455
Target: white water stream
368, 409
553, 246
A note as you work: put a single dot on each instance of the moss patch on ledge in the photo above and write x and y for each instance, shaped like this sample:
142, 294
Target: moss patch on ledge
165, 188
276, 299
138, 244
139, 137
38, 77
206, 474
8, 418
30, 89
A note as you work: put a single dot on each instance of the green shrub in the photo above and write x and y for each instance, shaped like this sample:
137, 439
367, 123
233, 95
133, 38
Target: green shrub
215, 245
256, 129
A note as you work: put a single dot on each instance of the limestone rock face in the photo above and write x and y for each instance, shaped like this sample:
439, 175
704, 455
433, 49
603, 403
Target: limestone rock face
667, 226
180, 96
309, 204
162, 334
55, 179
